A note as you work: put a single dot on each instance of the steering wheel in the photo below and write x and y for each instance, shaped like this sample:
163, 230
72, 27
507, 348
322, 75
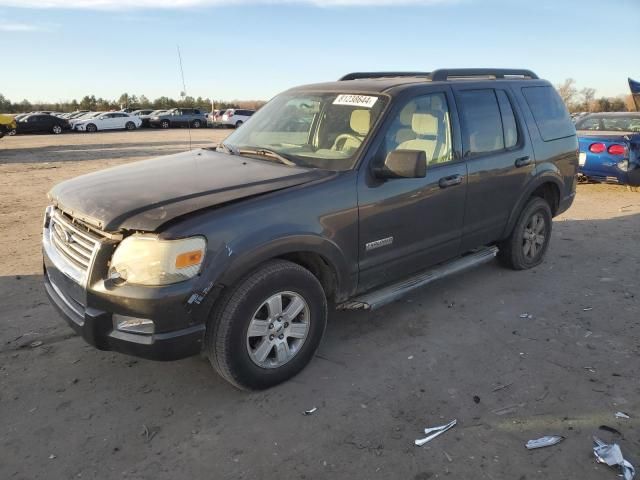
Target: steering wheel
344, 137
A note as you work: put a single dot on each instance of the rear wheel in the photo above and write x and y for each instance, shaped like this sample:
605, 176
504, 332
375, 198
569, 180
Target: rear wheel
529, 240
91, 128
267, 328
238, 123
165, 124
130, 126
57, 129
196, 124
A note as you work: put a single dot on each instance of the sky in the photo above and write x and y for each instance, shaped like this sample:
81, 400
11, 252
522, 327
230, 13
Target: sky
53, 50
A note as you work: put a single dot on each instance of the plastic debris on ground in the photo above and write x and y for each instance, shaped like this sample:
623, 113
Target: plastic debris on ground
311, 411
433, 432
546, 441
526, 315
612, 456
622, 415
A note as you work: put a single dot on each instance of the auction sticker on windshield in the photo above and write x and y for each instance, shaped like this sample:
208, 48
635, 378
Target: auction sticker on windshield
356, 100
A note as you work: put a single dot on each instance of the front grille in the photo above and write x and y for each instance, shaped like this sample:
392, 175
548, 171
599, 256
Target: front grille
75, 243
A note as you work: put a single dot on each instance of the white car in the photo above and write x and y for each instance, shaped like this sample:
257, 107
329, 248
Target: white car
234, 117
107, 121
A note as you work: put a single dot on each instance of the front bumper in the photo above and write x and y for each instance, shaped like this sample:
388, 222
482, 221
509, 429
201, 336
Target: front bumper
88, 306
96, 327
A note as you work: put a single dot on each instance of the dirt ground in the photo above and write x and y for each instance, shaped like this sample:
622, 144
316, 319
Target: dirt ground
457, 349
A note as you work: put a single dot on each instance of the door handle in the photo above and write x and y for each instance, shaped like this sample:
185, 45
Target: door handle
523, 161
450, 181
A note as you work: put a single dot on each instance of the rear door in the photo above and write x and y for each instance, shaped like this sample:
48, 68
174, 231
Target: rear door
499, 157
408, 224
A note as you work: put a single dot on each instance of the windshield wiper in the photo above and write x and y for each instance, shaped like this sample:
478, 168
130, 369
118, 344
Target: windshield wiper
264, 152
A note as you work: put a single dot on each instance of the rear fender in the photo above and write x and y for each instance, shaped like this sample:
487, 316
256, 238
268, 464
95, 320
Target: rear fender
551, 175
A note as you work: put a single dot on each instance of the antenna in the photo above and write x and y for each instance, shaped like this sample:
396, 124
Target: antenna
183, 93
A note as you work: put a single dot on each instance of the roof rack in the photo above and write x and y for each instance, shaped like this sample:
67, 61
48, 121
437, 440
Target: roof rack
445, 73
360, 75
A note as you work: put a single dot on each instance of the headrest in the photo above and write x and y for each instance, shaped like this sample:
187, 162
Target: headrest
361, 121
406, 114
424, 124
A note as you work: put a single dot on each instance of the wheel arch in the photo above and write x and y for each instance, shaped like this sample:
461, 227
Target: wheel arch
317, 254
548, 186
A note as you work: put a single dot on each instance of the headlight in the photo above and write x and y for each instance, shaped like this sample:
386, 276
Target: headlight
147, 260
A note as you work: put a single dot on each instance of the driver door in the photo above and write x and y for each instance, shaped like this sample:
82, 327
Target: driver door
409, 224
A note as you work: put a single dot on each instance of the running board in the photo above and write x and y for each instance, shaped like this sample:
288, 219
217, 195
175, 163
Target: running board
377, 298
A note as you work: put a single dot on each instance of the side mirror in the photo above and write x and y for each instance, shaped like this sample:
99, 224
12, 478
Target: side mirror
404, 164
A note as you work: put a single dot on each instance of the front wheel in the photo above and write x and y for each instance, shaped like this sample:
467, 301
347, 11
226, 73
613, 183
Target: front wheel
196, 124
267, 328
238, 123
91, 128
529, 240
165, 124
57, 130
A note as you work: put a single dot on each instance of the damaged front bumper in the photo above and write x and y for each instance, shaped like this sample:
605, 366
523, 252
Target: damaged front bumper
103, 313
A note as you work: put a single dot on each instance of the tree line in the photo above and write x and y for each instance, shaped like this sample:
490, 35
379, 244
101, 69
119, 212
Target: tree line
584, 100
91, 102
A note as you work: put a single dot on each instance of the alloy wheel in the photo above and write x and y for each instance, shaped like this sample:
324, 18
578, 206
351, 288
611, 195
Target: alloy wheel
278, 329
534, 236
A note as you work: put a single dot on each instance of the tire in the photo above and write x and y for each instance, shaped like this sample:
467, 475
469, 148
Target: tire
56, 130
130, 126
235, 355
12, 132
196, 124
165, 124
238, 123
91, 128
525, 248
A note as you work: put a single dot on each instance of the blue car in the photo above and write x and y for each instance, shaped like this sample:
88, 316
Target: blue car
610, 148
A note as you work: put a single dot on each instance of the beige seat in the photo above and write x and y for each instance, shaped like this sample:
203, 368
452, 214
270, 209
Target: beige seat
431, 135
405, 132
360, 123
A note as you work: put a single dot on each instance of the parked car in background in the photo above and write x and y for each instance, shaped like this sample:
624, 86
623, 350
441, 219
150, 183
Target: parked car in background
42, 123
77, 113
180, 117
107, 121
398, 180
139, 113
147, 117
211, 118
610, 148
7, 125
234, 117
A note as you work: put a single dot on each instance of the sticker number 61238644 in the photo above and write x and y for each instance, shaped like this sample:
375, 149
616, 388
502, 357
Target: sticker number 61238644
366, 101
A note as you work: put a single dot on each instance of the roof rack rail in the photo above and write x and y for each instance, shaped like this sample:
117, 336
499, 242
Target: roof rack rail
444, 73
361, 75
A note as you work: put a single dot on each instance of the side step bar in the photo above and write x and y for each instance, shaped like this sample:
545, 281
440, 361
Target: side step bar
377, 298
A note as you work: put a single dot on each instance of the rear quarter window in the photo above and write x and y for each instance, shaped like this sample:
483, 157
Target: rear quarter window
549, 112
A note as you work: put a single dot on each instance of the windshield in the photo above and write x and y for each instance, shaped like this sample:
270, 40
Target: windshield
320, 130
613, 123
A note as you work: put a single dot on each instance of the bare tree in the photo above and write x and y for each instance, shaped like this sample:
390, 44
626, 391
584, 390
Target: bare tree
587, 94
567, 91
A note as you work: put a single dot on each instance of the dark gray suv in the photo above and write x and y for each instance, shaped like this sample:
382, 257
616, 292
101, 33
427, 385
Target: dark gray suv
180, 117
350, 194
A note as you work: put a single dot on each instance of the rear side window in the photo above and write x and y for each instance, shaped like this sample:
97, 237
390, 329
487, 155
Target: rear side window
549, 112
482, 120
508, 120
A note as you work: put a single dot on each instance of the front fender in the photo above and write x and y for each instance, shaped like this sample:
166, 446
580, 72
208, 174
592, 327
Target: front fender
239, 263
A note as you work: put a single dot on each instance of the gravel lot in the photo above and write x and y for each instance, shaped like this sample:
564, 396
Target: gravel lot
458, 349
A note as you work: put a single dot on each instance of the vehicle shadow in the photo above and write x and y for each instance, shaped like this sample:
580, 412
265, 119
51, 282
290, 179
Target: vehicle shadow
377, 380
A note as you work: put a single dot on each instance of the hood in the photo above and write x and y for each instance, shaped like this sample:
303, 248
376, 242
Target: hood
146, 194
